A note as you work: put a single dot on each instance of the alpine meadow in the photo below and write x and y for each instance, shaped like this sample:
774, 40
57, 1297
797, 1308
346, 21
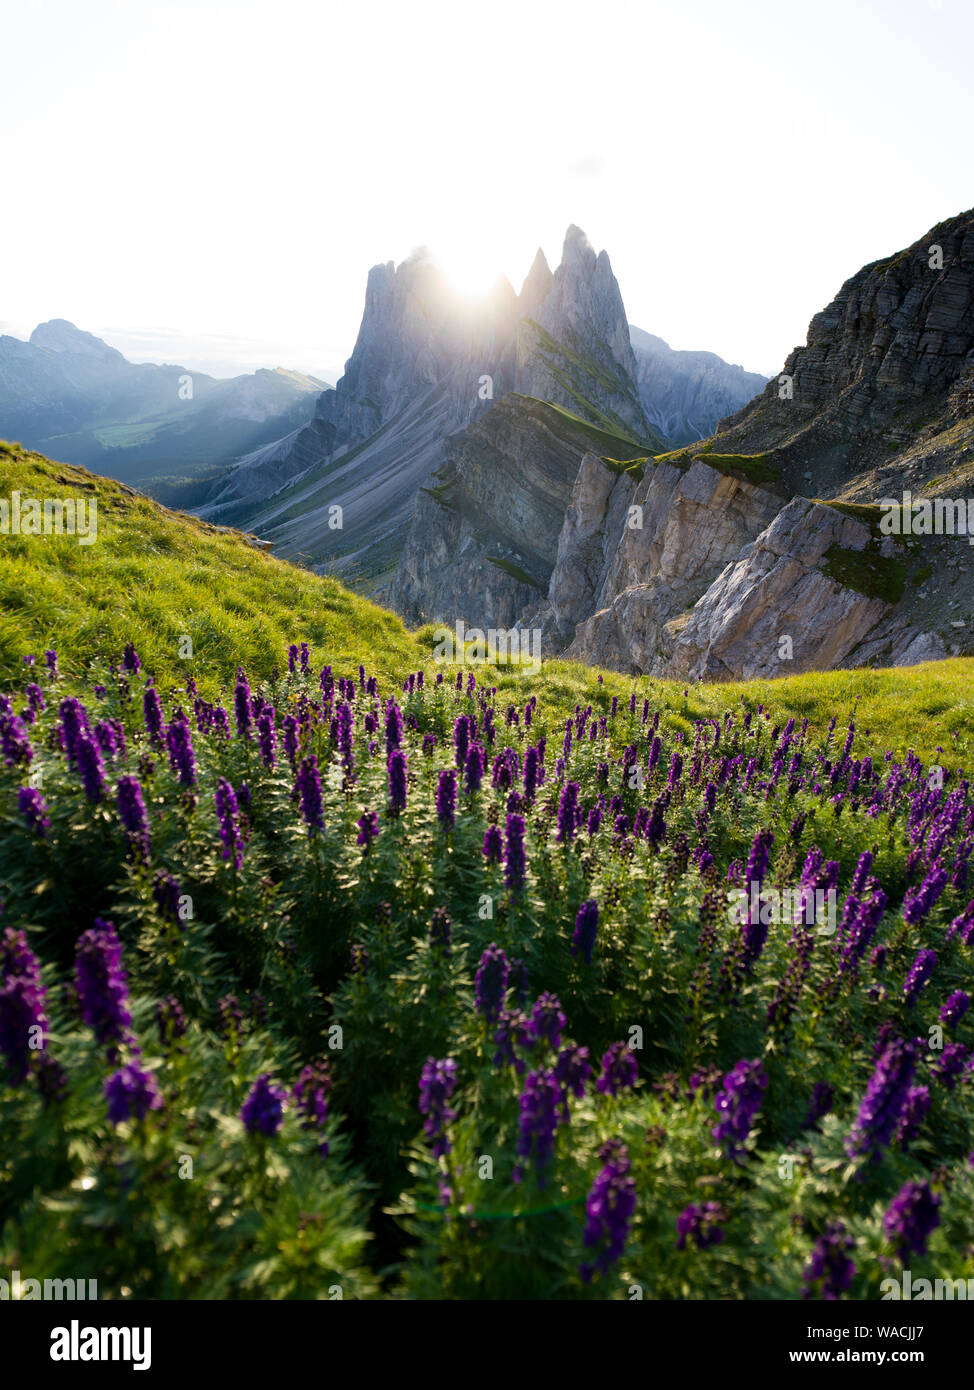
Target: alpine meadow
500, 827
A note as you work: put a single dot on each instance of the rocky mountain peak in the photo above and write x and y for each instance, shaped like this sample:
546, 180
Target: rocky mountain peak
885, 362
59, 335
536, 285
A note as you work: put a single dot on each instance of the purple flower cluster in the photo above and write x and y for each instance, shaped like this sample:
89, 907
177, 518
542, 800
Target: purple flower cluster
131, 1093
490, 982
737, 1105
311, 1098
34, 810
542, 1111
619, 1070
228, 814
437, 1082
700, 1222
829, 1272
23, 1023
911, 1218
102, 986
884, 1101
586, 927
263, 1111
609, 1210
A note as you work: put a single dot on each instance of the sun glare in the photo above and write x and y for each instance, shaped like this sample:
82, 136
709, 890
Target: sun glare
470, 276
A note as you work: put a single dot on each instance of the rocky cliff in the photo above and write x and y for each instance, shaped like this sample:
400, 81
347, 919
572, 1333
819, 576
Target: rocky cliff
730, 567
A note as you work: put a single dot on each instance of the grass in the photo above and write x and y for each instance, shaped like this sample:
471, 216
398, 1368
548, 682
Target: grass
752, 468
866, 571
155, 575
613, 442
635, 467
514, 571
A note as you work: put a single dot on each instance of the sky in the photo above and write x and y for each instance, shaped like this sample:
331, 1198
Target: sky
209, 182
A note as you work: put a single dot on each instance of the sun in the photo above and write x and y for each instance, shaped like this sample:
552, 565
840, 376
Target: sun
469, 275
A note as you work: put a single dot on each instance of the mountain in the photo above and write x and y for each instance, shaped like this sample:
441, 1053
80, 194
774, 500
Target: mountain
766, 544
685, 394
71, 394
427, 365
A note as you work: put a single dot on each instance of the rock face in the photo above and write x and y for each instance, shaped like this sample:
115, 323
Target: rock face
685, 394
765, 581
776, 610
665, 536
890, 358
484, 538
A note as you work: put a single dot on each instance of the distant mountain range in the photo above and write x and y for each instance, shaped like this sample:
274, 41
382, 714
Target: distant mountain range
559, 357
69, 394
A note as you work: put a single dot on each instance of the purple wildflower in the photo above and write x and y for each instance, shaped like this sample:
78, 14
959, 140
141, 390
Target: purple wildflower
541, 1107
515, 861
884, 1101
101, 984
619, 1069
133, 815
609, 1210
397, 781
737, 1105
911, 1218
920, 972
307, 787
228, 814
490, 983
34, 810
368, 829
131, 1093
955, 1008
586, 926
829, 1271
437, 1082
446, 799
263, 1110
701, 1224
22, 997
547, 1020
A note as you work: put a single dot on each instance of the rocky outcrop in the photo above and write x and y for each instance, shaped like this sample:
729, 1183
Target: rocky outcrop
485, 534
666, 535
573, 344
880, 365
783, 608
685, 394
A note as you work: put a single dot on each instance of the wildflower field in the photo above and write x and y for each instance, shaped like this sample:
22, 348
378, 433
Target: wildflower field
332, 985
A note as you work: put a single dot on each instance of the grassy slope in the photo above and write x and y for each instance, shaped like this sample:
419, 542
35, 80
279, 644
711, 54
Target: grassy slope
155, 575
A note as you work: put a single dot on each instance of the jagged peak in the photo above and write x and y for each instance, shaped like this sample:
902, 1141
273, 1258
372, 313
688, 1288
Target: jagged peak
576, 246
536, 285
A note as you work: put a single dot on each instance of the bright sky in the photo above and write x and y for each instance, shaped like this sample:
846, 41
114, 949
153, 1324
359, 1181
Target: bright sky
209, 181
